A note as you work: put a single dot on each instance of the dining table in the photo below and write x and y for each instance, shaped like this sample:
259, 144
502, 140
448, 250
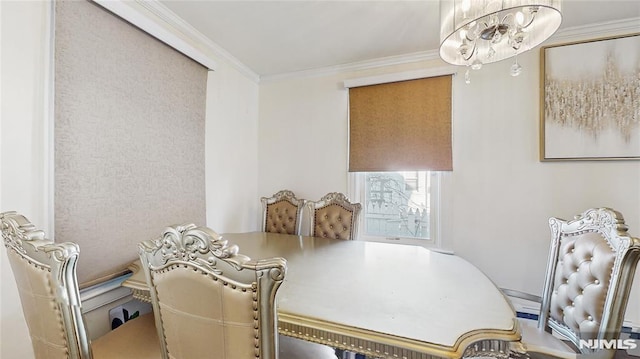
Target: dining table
382, 300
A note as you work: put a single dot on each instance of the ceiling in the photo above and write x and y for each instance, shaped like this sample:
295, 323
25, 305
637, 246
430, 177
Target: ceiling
277, 37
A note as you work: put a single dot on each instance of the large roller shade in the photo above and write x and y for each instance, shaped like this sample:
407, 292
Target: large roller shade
129, 138
401, 126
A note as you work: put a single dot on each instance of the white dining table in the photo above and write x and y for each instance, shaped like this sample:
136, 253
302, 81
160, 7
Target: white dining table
380, 299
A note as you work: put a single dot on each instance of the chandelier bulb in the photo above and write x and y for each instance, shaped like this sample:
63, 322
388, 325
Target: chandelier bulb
466, 5
519, 18
467, 77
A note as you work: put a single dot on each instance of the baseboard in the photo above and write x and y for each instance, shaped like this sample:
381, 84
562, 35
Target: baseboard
103, 302
103, 294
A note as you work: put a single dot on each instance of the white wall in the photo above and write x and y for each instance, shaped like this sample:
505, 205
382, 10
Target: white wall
302, 137
501, 195
231, 151
22, 145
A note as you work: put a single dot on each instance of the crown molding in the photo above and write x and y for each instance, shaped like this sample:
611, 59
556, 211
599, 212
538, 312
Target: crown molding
603, 29
401, 76
355, 66
611, 28
158, 21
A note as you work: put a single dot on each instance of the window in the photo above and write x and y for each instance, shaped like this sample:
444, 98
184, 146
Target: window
399, 142
399, 206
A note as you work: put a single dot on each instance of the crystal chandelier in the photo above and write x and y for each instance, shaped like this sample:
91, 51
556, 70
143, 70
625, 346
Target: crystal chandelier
478, 32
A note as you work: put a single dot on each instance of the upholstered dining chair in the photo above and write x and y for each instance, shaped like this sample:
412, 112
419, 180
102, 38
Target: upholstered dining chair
334, 216
282, 213
592, 261
45, 274
212, 302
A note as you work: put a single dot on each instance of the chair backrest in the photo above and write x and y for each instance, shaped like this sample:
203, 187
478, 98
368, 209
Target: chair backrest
334, 216
210, 301
45, 274
282, 213
591, 266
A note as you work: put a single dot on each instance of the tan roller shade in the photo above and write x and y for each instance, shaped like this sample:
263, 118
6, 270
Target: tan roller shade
401, 126
129, 138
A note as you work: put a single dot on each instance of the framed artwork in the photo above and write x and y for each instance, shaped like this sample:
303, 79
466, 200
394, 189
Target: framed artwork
590, 100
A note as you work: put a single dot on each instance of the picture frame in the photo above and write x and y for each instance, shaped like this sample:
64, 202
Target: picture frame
590, 100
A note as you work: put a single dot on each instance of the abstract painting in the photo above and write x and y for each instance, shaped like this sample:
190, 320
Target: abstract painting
590, 100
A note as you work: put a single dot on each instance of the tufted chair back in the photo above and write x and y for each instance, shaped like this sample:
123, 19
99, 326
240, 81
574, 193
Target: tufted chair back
282, 213
210, 301
334, 216
591, 266
45, 274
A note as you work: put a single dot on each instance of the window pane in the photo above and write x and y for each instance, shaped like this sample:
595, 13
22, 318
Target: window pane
397, 204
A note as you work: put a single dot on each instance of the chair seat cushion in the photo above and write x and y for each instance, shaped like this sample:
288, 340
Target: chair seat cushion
137, 338
292, 348
539, 341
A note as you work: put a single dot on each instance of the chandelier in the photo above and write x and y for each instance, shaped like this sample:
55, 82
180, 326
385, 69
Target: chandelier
478, 32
